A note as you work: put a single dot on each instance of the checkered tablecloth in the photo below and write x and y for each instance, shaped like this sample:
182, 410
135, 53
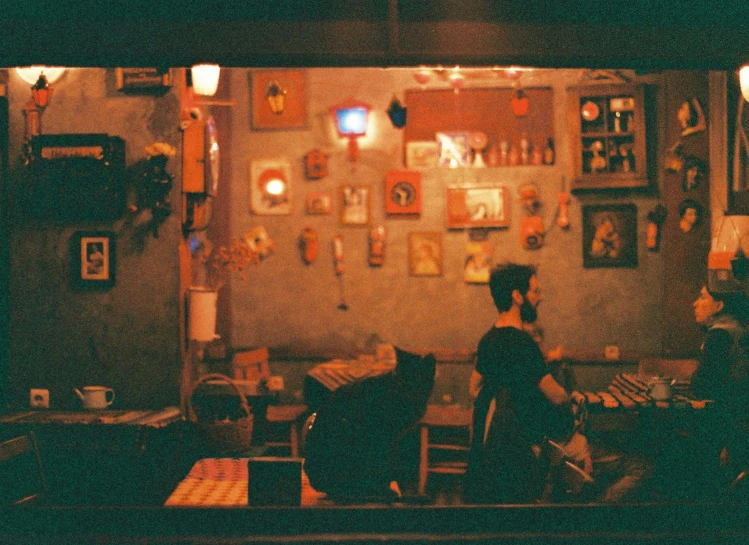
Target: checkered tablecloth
223, 481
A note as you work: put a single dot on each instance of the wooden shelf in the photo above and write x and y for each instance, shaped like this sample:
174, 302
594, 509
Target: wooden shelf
607, 129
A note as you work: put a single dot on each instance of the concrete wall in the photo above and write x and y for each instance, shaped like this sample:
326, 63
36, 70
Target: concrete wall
287, 304
128, 337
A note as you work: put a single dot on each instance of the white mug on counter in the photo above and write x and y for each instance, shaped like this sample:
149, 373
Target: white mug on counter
95, 397
660, 388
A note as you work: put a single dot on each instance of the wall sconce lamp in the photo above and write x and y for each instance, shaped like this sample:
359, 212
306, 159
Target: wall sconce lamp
351, 122
30, 74
744, 81
41, 92
205, 79
276, 96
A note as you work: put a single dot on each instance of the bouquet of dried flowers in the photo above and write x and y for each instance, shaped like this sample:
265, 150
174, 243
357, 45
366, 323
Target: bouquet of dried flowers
223, 261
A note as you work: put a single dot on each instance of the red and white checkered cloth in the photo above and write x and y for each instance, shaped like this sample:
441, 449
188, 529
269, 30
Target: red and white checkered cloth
223, 481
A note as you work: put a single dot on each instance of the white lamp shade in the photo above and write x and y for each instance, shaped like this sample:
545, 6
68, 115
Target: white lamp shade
30, 74
744, 81
205, 78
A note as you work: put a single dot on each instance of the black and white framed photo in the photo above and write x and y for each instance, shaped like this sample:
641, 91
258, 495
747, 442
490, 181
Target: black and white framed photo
93, 260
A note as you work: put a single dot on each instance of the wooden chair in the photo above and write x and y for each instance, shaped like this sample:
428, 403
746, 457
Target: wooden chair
564, 479
446, 429
288, 417
21, 472
251, 364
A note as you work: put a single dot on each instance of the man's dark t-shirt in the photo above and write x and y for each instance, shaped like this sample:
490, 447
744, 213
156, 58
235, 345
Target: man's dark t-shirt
510, 358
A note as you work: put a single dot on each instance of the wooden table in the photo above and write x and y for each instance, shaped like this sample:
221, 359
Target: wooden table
149, 418
224, 482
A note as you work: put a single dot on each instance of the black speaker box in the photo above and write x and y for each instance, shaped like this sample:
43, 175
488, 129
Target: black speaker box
274, 481
75, 177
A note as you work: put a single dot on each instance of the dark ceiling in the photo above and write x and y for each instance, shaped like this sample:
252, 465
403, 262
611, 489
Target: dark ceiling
573, 33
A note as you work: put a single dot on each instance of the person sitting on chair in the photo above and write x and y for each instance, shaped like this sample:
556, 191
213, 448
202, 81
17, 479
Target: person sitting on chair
351, 448
531, 406
723, 376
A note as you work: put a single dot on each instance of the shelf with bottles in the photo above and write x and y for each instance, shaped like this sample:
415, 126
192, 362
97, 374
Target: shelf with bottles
607, 125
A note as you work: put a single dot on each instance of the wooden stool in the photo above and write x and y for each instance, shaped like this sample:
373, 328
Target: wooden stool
453, 420
286, 414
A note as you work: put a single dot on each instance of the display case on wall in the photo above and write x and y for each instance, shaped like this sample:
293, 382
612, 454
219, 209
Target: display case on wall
607, 131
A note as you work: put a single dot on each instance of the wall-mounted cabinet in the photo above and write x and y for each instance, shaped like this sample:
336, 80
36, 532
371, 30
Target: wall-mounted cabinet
607, 130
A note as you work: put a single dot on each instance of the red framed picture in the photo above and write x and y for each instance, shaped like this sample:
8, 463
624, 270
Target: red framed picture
477, 206
403, 192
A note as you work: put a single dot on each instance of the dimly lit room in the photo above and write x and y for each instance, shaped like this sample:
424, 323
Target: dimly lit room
388, 271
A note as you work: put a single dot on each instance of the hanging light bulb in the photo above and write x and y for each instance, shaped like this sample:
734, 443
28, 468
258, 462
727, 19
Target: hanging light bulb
205, 78
744, 81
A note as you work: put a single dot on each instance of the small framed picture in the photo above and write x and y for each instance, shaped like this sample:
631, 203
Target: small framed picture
610, 235
355, 204
421, 154
270, 187
478, 262
425, 253
319, 203
279, 99
134, 80
92, 260
454, 149
403, 193
477, 206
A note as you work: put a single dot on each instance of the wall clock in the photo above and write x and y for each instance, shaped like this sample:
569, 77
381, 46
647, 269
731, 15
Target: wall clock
403, 192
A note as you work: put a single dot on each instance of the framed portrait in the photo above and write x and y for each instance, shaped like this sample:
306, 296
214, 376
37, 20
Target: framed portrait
425, 253
609, 235
478, 262
279, 99
320, 203
477, 206
270, 186
355, 204
92, 259
403, 193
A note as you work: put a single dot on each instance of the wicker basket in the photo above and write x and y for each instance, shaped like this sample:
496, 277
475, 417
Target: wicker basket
222, 435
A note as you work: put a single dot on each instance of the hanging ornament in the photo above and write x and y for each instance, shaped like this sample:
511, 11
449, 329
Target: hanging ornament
423, 75
377, 246
315, 164
308, 245
397, 113
520, 103
656, 217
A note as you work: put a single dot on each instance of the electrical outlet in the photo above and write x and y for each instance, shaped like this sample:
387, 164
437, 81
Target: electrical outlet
39, 398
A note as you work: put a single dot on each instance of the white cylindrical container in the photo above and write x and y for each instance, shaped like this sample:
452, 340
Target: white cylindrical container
201, 325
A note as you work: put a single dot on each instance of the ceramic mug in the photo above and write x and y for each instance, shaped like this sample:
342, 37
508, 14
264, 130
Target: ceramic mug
660, 388
95, 397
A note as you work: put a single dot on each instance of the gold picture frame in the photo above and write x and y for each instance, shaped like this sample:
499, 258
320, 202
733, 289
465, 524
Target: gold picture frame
425, 253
